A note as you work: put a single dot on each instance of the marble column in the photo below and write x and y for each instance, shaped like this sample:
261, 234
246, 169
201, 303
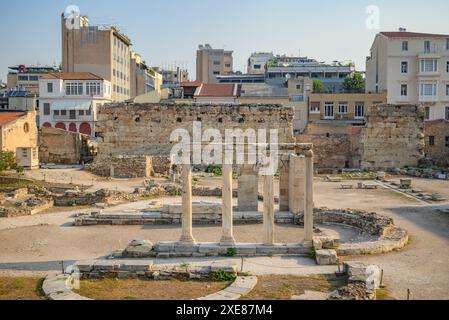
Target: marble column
186, 218
227, 237
284, 183
268, 210
308, 196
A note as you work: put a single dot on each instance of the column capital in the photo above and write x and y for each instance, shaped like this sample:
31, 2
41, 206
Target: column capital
308, 154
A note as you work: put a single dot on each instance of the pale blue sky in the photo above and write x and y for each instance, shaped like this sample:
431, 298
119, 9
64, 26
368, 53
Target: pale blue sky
169, 31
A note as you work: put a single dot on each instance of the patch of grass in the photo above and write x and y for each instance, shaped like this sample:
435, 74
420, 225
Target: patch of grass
21, 288
184, 264
135, 289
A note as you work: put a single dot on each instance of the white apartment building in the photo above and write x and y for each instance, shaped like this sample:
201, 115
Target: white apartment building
411, 68
69, 101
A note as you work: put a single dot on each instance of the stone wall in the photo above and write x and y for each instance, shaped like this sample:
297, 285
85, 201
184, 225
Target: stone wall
145, 129
439, 151
60, 146
121, 167
393, 137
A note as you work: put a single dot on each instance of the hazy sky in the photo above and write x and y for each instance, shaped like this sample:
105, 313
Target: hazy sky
166, 32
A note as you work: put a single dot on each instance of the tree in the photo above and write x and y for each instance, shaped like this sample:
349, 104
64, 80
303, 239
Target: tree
7, 161
354, 83
318, 86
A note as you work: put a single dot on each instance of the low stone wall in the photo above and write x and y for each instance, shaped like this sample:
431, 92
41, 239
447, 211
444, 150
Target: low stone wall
28, 207
121, 167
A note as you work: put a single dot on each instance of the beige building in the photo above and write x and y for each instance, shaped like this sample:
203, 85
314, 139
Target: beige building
19, 135
103, 51
411, 68
143, 78
212, 62
343, 106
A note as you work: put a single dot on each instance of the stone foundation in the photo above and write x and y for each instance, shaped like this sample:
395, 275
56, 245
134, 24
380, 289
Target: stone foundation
122, 167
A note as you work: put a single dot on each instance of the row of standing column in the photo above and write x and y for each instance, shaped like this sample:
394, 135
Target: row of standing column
227, 237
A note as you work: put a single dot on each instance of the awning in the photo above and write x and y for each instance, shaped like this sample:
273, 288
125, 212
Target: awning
71, 105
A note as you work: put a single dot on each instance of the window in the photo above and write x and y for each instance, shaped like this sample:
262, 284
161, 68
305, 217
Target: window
404, 45
428, 65
89, 112
46, 109
34, 78
227, 65
81, 112
427, 113
404, 67
431, 140
447, 141
315, 107
343, 107
26, 127
22, 78
446, 113
328, 110
56, 112
403, 90
63, 112
426, 46
93, 89
74, 88
428, 89
359, 111
447, 66
217, 63
447, 90
50, 87
257, 66
216, 73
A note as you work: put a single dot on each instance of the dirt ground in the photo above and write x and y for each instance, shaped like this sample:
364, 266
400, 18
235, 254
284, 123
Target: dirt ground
134, 289
39, 243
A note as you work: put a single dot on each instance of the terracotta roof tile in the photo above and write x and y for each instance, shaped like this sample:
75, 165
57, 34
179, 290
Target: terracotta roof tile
7, 117
72, 76
216, 90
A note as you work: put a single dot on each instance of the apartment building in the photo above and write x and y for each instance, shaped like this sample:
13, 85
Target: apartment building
347, 107
258, 61
212, 62
69, 101
26, 78
143, 78
282, 68
101, 50
18, 100
411, 68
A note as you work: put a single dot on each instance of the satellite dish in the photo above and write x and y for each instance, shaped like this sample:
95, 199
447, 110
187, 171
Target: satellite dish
72, 11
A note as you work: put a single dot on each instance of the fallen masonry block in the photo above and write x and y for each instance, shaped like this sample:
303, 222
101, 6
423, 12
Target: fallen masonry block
326, 257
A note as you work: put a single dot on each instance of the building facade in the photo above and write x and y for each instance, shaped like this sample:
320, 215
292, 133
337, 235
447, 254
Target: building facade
69, 101
104, 51
26, 78
258, 61
280, 69
18, 133
349, 107
411, 68
143, 78
212, 62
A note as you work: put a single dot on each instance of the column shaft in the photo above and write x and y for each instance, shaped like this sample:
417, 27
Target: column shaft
308, 196
186, 219
268, 210
227, 237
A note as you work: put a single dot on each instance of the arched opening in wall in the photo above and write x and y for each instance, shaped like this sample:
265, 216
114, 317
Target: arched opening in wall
85, 128
47, 125
60, 125
26, 127
72, 127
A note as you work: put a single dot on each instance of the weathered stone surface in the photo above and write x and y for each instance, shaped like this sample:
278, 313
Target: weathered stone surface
138, 249
311, 295
326, 257
272, 249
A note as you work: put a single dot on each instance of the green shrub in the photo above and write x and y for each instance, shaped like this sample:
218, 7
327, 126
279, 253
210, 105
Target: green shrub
312, 252
231, 252
221, 275
7, 161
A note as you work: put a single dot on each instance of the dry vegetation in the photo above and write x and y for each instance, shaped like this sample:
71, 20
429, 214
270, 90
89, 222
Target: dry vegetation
21, 288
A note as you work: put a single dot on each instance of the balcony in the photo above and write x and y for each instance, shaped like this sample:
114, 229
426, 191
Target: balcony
428, 98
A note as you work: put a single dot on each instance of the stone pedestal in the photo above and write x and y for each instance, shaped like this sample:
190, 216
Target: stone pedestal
296, 183
268, 210
308, 204
186, 218
248, 195
227, 237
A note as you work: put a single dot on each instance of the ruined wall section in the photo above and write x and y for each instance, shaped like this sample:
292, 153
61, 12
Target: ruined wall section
437, 141
145, 129
393, 137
